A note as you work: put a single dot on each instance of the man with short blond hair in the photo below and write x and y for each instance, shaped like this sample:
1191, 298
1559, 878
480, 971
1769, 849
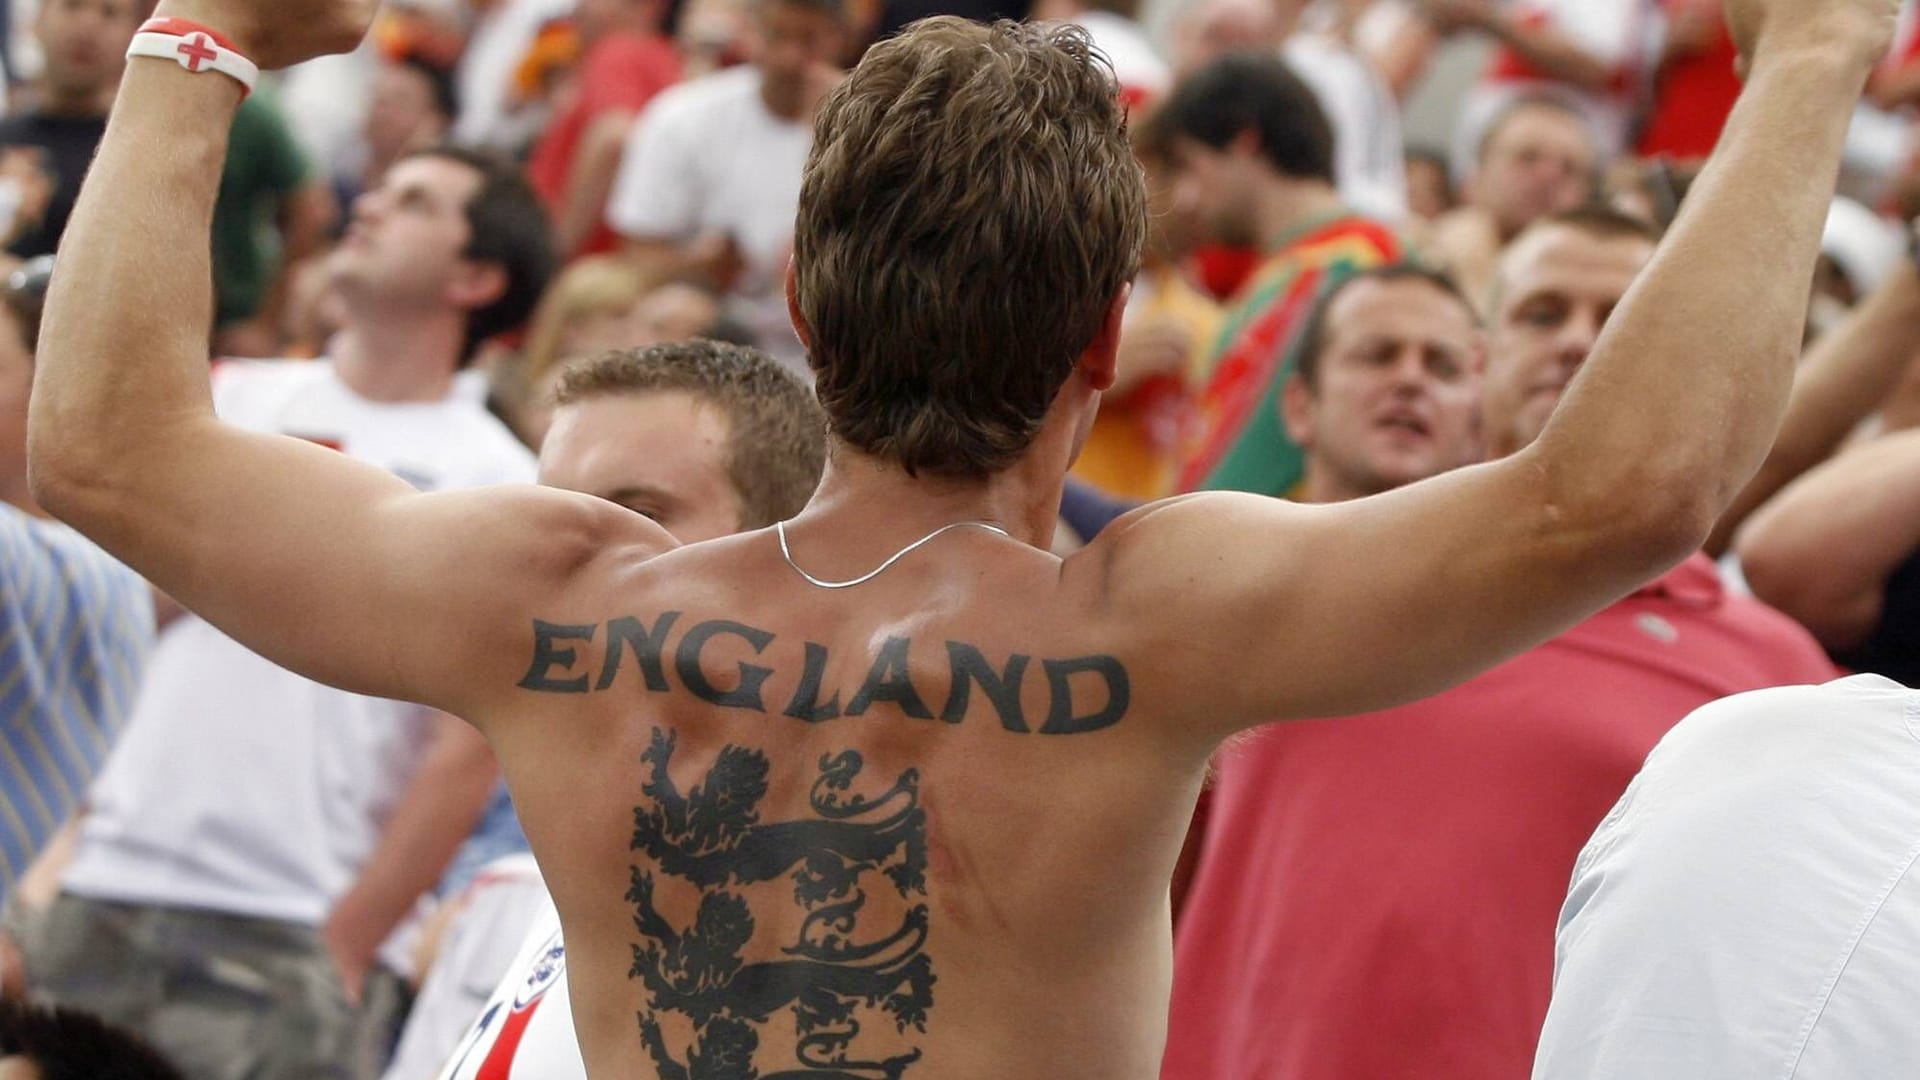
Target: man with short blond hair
707, 440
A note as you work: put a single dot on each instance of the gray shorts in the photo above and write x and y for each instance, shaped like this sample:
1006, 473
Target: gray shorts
225, 997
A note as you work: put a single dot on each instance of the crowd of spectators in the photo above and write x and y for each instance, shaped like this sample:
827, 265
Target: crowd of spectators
419, 245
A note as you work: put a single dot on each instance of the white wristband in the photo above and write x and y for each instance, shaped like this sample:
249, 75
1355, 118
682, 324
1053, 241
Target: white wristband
197, 52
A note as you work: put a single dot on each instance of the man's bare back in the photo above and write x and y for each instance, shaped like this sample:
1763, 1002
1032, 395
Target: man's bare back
855, 830
970, 219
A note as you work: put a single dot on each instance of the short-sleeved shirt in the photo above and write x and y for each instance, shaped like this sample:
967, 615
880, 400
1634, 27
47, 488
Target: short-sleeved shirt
75, 627
1751, 908
708, 156
241, 787
1692, 99
619, 74
1376, 896
69, 143
264, 167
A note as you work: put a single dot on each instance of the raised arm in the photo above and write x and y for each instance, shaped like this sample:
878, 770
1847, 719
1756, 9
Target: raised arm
1254, 610
1850, 373
1553, 52
328, 566
1823, 551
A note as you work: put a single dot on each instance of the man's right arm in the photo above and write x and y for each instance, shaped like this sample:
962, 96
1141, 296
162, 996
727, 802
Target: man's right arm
1367, 604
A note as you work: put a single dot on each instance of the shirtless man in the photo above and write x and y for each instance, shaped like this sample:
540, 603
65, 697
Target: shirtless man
922, 826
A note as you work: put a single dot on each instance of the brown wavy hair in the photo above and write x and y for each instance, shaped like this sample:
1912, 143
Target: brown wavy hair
969, 213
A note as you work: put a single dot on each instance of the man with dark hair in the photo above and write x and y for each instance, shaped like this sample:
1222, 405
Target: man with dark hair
1376, 899
270, 871
711, 174
1254, 154
1387, 388
63, 1044
707, 440
875, 791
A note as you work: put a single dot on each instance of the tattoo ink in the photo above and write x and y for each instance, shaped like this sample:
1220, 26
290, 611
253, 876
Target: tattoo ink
686, 664
547, 657
890, 680
1001, 688
837, 975
648, 647
806, 700
1061, 719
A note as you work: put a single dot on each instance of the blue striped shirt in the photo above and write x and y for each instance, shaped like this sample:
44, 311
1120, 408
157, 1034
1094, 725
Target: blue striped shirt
74, 628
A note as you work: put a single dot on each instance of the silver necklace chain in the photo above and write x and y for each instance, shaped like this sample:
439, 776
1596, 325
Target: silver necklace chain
936, 534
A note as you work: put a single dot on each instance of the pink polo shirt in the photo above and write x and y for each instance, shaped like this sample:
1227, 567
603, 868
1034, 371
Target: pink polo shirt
1377, 896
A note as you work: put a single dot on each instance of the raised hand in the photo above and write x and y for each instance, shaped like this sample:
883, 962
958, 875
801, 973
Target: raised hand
281, 33
1863, 27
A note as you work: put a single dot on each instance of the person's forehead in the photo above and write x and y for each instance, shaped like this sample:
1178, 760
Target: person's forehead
666, 439
796, 15
1571, 259
1404, 307
453, 181
1540, 123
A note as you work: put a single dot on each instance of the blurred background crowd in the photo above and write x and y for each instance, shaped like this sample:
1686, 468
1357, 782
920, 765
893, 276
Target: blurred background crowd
1386, 234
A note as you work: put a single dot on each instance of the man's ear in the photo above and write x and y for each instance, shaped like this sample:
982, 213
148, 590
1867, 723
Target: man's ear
477, 284
1296, 411
798, 320
1100, 361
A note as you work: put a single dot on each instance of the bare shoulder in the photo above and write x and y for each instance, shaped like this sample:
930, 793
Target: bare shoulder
563, 536
1166, 547
511, 556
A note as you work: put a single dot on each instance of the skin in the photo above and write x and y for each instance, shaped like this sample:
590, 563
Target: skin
1237, 197
401, 116
661, 455
798, 49
85, 43
1047, 856
1397, 395
16, 384
1539, 161
18, 1068
1559, 288
1823, 550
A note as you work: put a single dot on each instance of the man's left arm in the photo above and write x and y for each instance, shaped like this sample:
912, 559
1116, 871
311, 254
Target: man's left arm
442, 804
1824, 550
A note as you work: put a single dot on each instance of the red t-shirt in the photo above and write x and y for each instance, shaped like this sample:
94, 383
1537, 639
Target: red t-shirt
1377, 896
622, 72
1693, 100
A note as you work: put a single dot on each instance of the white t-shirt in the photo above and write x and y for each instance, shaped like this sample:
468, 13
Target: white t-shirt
479, 948
1369, 154
240, 787
525, 1031
708, 157
1750, 908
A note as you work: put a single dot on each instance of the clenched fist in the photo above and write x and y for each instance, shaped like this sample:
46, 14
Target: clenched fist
1864, 27
281, 33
